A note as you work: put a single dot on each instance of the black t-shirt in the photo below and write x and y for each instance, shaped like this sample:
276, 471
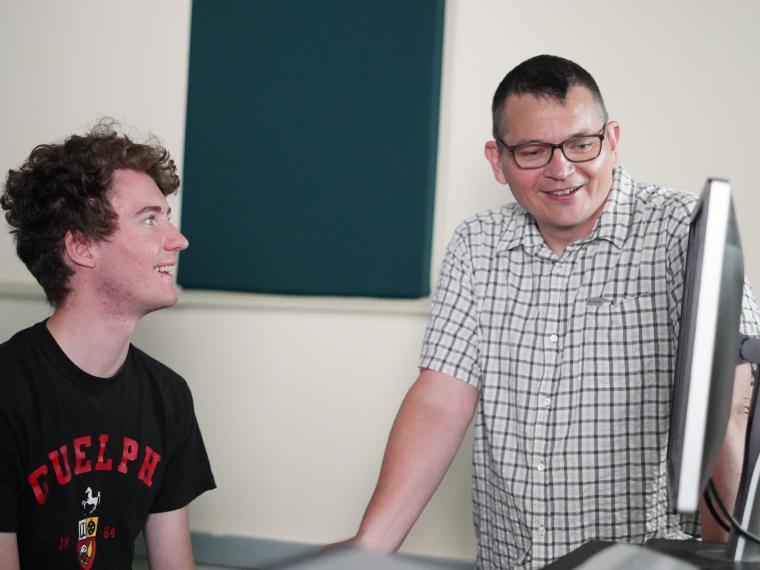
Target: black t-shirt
84, 460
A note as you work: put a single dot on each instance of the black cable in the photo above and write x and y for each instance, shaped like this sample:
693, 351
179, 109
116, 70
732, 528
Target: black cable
736, 527
711, 507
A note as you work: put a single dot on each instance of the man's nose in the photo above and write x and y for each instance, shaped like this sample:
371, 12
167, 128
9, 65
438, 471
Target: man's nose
176, 240
559, 167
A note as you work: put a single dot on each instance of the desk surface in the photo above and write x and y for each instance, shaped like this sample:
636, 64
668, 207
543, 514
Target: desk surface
702, 554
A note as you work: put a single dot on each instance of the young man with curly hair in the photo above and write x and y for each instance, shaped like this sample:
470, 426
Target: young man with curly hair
98, 440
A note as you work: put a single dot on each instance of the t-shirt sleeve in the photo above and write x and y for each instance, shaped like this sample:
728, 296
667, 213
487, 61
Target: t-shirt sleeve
451, 342
188, 472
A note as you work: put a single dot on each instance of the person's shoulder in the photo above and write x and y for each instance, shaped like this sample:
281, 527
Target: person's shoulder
18, 347
659, 200
156, 371
480, 234
490, 225
656, 209
169, 389
495, 217
16, 355
18, 340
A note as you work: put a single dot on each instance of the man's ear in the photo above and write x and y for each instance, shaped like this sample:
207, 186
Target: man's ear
493, 156
613, 134
79, 249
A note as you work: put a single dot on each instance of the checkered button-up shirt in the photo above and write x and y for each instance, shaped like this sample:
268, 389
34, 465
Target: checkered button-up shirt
574, 358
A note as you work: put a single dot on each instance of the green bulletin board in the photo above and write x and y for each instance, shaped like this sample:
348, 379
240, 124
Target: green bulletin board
311, 144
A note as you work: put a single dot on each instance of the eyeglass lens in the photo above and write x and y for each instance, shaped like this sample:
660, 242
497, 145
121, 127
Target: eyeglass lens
579, 149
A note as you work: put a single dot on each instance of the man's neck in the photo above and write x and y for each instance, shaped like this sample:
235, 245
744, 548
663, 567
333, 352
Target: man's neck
559, 239
97, 343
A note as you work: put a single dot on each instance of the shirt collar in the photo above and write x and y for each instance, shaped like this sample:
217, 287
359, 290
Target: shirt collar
520, 231
611, 226
614, 222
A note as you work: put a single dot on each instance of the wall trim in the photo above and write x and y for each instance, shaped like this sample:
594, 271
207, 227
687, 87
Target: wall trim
22, 290
195, 298
200, 299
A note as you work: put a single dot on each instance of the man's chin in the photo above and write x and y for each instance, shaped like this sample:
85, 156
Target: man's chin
165, 303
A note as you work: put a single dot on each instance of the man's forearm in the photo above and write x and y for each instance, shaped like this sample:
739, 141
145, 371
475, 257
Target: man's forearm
8, 551
728, 468
426, 434
167, 538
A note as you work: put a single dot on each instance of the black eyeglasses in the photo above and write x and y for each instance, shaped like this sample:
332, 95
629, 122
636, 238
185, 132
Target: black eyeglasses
538, 154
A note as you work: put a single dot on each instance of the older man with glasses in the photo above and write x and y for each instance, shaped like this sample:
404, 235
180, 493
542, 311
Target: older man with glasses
555, 319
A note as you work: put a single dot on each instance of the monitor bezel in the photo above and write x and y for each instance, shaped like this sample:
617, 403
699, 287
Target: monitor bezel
698, 402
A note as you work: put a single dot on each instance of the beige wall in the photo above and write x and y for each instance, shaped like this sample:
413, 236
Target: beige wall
295, 403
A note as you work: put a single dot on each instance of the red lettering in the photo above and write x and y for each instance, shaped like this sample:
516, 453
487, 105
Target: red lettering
81, 463
39, 484
54, 456
59, 459
109, 532
103, 465
129, 453
148, 466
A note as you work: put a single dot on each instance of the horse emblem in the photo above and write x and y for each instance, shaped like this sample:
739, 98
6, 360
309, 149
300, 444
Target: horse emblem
90, 502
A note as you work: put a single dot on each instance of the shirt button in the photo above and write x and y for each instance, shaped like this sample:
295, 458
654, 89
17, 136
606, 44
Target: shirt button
554, 338
540, 467
546, 402
541, 530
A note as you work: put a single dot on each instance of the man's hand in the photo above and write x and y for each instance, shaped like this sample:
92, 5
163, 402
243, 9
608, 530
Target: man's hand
167, 538
339, 545
8, 551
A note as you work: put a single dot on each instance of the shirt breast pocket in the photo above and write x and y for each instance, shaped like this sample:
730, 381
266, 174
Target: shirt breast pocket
626, 341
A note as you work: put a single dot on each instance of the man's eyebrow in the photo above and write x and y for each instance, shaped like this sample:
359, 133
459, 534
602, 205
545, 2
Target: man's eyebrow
146, 209
578, 134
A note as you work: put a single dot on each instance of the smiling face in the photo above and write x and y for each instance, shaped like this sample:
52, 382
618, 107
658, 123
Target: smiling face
134, 266
564, 198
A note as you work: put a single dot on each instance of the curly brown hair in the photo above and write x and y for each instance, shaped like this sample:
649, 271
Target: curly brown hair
63, 188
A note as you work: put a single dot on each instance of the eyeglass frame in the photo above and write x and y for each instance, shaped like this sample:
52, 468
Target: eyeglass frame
561, 146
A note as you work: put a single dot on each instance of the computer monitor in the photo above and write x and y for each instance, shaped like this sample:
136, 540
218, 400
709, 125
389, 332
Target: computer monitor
706, 359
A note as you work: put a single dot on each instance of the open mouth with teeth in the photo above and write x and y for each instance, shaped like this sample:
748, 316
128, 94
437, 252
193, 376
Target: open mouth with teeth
165, 269
562, 193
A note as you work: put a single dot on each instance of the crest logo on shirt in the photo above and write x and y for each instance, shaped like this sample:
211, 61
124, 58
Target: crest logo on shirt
90, 502
88, 530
